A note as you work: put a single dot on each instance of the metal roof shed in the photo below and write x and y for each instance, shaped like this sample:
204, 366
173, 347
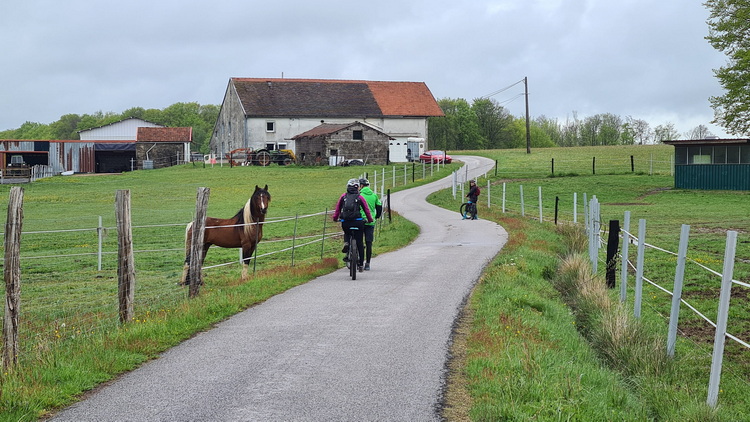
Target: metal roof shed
712, 164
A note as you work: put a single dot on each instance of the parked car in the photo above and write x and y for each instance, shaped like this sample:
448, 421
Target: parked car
435, 156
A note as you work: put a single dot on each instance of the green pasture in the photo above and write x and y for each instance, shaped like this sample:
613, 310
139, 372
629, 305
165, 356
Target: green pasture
514, 303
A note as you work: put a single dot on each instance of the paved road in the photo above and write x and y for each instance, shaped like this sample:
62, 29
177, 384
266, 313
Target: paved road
333, 349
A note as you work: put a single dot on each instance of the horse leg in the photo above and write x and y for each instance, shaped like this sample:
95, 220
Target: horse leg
247, 253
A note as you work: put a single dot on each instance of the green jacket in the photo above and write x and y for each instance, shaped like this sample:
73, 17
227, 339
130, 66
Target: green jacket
373, 202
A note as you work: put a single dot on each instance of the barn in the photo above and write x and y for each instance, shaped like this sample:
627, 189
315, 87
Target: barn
338, 143
271, 113
715, 164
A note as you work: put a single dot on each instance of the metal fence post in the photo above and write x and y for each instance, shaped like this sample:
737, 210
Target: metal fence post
679, 275
639, 267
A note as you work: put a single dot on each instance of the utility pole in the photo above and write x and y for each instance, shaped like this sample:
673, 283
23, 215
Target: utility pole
528, 131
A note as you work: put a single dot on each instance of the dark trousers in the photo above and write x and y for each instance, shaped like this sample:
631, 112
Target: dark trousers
369, 237
358, 233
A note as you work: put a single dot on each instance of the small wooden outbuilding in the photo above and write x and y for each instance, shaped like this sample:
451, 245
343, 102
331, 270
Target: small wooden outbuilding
716, 164
335, 144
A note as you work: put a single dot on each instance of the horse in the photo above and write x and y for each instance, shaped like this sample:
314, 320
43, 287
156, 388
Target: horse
244, 230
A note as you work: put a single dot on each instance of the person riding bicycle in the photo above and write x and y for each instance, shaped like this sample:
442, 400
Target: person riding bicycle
373, 202
473, 196
348, 211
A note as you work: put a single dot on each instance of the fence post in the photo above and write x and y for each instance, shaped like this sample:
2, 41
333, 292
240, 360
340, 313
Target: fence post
593, 166
540, 204
632, 165
453, 183
553, 166
489, 203
523, 212
125, 262
575, 207
503, 197
612, 241
294, 235
406, 180
679, 274
12, 276
100, 233
323, 239
639, 267
721, 320
389, 206
557, 205
624, 267
196, 243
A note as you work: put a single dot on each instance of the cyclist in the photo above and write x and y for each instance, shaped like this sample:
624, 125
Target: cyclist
349, 210
473, 196
373, 202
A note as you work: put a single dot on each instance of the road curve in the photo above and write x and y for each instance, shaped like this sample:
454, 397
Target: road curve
333, 349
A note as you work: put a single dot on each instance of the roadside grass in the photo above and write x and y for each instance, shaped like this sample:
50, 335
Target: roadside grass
516, 325
70, 337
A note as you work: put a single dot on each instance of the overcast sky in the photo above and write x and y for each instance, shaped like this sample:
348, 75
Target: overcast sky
637, 58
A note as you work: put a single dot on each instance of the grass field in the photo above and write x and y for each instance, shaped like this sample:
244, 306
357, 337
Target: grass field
526, 355
515, 304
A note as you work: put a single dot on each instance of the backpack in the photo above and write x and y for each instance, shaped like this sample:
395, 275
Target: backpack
350, 207
478, 191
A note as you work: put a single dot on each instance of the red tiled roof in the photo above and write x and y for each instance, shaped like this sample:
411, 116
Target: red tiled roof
334, 98
164, 134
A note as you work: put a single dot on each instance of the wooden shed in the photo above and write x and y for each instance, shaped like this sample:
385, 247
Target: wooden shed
334, 144
716, 164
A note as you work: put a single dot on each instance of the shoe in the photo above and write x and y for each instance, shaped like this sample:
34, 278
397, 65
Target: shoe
345, 249
367, 266
359, 268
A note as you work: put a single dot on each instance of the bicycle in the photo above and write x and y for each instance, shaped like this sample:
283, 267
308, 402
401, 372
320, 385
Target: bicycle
352, 255
469, 208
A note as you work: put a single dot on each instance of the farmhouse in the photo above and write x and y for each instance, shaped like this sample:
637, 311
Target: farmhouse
721, 164
273, 113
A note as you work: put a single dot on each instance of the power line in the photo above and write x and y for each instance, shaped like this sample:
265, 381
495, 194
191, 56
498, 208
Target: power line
502, 89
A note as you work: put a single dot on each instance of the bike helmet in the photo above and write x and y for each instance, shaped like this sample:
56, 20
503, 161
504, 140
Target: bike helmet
364, 182
352, 182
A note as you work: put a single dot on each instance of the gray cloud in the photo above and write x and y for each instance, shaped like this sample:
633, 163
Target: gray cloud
634, 58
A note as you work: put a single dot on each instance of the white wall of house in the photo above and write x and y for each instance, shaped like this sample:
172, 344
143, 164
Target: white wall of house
284, 128
125, 130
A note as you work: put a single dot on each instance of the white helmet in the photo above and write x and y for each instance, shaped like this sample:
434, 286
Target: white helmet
352, 182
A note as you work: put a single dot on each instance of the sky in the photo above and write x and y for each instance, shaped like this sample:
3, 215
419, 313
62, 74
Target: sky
638, 58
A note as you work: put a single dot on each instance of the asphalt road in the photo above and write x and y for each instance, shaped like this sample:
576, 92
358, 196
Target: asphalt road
333, 349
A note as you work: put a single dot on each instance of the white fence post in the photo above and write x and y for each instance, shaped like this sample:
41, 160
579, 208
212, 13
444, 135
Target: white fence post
523, 212
575, 207
489, 204
503, 197
624, 266
100, 233
585, 211
721, 320
679, 276
639, 267
540, 204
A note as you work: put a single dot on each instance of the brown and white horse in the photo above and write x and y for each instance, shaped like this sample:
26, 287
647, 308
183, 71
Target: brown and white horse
244, 230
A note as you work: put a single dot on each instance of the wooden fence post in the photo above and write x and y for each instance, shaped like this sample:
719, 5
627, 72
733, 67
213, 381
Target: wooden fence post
196, 245
125, 262
12, 274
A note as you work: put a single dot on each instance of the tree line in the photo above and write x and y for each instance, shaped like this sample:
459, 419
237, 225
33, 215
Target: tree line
484, 124
200, 117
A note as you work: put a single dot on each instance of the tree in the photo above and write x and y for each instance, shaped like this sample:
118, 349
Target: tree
459, 129
665, 132
66, 127
699, 132
639, 129
493, 120
729, 32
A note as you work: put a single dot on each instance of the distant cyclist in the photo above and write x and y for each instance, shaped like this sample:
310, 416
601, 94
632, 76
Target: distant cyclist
349, 211
473, 196
373, 202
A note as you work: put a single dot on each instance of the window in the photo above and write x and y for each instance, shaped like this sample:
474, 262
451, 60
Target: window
281, 146
733, 154
271, 146
357, 135
680, 154
745, 154
720, 155
270, 126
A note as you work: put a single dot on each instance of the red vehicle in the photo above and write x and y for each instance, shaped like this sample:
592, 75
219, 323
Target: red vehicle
435, 156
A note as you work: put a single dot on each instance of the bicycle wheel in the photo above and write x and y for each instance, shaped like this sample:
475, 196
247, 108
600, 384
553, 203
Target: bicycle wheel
353, 258
463, 209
